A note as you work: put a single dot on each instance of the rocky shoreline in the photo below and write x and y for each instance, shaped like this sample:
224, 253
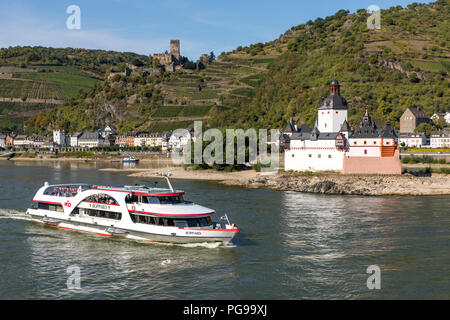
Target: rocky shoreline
370, 185
324, 183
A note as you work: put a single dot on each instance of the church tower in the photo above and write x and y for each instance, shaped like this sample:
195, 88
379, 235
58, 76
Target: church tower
333, 112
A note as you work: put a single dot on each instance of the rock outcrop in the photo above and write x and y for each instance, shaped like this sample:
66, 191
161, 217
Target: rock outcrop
352, 184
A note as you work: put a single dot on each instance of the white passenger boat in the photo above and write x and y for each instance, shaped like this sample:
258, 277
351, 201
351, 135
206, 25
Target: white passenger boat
133, 212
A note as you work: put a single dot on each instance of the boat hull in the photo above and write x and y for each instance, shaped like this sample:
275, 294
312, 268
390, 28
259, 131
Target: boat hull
170, 235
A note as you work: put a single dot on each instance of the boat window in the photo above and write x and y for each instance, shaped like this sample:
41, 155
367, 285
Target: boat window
131, 198
143, 199
101, 198
180, 223
171, 199
192, 223
55, 207
205, 222
64, 191
152, 200
43, 206
50, 206
137, 218
104, 214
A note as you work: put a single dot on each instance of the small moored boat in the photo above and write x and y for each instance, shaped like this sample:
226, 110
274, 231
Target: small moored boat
130, 159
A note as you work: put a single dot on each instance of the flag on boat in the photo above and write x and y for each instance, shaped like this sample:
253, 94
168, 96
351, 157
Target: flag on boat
225, 217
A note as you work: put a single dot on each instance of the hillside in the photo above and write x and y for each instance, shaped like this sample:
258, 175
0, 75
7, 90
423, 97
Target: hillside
33, 80
146, 102
405, 63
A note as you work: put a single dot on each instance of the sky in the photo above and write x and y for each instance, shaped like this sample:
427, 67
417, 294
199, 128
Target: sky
146, 27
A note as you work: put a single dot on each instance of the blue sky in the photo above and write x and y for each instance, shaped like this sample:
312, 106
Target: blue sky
146, 27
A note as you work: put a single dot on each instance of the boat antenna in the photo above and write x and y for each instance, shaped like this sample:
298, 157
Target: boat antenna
167, 175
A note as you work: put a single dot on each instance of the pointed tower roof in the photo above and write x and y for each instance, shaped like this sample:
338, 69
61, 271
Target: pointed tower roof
387, 131
315, 131
290, 126
345, 127
304, 128
367, 128
334, 100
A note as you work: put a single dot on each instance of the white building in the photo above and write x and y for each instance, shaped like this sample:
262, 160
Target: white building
179, 139
21, 140
408, 139
40, 142
72, 140
440, 139
91, 140
148, 140
2, 140
446, 116
331, 145
59, 137
109, 130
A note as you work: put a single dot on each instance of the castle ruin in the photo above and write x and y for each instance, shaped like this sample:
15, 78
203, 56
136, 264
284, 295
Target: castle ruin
170, 61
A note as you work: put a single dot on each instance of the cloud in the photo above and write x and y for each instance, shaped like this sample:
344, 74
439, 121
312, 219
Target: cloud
27, 30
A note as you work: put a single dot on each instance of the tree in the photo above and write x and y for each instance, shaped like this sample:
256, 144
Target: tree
138, 63
427, 128
212, 57
413, 77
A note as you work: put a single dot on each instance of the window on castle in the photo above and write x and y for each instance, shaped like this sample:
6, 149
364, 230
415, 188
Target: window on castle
365, 151
293, 155
388, 142
374, 142
365, 142
329, 156
310, 155
354, 142
318, 156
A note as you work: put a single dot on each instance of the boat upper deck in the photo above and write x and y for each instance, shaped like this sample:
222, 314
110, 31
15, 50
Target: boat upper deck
71, 190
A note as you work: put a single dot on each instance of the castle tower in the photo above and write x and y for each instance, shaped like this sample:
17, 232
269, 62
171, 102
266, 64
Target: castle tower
335, 87
333, 112
175, 49
59, 137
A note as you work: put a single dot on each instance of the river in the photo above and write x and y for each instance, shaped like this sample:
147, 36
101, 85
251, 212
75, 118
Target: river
291, 246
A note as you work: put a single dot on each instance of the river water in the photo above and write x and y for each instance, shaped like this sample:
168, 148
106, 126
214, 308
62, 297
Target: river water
291, 246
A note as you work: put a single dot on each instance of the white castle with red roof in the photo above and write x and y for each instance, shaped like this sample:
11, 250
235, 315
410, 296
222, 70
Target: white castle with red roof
332, 146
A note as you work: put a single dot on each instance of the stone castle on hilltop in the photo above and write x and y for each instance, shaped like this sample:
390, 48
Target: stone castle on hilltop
169, 62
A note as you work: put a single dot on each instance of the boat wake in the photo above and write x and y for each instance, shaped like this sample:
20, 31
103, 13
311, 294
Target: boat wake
208, 245
13, 214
